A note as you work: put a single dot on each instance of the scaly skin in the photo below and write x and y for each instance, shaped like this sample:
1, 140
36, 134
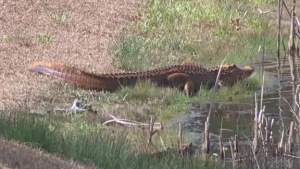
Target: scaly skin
188, 78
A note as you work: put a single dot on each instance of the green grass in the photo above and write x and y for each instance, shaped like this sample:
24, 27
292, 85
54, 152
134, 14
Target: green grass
263, 2
44, 38
21, 39
7, 38
167, 103
134, 47
170, 32
86, 142
202, 32
61, 17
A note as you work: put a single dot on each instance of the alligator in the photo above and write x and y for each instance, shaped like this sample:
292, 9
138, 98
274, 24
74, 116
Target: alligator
187, 78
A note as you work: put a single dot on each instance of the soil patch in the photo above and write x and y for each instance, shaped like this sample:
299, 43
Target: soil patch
15, 155
77, 33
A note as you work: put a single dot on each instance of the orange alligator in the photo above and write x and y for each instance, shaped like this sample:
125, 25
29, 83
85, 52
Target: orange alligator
187, 78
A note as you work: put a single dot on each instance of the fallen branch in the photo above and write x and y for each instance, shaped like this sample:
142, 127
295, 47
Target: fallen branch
132, 123
265, 12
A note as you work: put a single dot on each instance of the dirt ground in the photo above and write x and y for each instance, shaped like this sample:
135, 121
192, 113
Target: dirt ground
78, 33
15, 155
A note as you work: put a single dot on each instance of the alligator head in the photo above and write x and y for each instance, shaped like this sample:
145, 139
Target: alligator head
231, 74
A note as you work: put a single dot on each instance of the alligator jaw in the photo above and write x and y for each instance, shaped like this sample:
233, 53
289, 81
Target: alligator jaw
232, 76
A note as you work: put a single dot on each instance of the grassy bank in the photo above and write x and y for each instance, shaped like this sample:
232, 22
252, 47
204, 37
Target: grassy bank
88, 143
203, 32
164, 103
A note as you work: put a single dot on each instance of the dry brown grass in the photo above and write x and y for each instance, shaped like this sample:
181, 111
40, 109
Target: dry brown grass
81, 39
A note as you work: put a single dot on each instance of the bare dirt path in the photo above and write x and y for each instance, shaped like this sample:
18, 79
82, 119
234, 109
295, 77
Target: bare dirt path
78, 33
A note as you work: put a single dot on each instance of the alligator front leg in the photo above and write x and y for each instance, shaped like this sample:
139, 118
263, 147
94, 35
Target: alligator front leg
189, 88
183, 82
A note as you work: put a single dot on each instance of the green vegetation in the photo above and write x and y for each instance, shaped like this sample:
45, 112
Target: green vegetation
87, 142
168, 103
21, 39
60, 17
204, 31
7, 38
43, 38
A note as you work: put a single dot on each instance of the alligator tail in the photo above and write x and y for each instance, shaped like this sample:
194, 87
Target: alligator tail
75, 76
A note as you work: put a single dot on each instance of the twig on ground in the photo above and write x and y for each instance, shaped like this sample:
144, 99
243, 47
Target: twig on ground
132, 123
265, 12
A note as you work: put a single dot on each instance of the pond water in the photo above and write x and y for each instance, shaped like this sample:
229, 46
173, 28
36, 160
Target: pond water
233, 117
